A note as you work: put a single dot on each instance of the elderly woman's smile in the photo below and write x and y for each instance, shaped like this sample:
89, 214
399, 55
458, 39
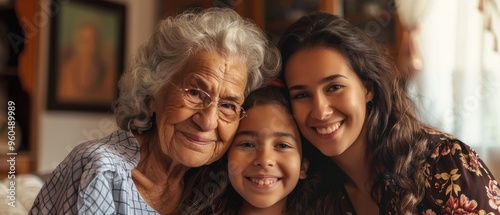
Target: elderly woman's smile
197, 136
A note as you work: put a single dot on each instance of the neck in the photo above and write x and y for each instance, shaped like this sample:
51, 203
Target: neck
353, 162
276, 209
157, 177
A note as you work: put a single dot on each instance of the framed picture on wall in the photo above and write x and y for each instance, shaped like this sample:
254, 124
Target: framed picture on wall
87, 40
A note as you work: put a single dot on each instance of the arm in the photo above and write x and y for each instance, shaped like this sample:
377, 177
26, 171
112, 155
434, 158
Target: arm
58, 195
74, 186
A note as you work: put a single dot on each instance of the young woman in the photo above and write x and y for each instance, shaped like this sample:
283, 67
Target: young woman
352, 104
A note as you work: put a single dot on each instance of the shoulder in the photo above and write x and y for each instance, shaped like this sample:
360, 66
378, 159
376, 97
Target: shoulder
118, 149
441, 144
437, 137
456, 178
99, 163
448, 152
115, 154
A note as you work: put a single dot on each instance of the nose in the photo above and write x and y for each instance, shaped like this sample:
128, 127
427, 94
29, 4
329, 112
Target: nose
321, 108
207, 118
264, 158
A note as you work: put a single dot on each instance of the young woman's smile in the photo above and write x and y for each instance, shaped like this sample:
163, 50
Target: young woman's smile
327, 98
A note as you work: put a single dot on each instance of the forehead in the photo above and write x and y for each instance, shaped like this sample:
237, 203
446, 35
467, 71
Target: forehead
215, 65
312, 65
214, 73
269, 118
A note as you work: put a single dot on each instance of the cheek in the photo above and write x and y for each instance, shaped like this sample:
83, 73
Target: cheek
236, 164
354, 104
171, 110
293, 165
166, 120
226, 132
299, 113
169, 117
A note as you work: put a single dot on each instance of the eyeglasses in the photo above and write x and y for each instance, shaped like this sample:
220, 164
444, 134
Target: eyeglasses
198, 99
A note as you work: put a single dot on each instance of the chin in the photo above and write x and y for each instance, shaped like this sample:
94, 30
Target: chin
262, 203
194, 162
329, 152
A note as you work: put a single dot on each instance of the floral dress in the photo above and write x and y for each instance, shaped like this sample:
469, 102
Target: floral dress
457, 182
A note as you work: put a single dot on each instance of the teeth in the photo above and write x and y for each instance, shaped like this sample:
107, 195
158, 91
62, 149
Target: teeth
265, 181
328, 130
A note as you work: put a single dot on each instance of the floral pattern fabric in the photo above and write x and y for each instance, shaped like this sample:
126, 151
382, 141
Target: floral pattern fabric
457, 182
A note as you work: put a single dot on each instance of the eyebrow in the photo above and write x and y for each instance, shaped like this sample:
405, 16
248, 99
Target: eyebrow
322, 81
232, 97
255, 134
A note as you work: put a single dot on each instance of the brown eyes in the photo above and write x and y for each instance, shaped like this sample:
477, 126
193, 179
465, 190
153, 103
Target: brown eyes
305, 94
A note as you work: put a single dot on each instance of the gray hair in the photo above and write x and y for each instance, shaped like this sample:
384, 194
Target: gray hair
177, 38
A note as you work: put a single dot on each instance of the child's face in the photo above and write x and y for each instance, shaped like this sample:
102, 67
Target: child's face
265, 157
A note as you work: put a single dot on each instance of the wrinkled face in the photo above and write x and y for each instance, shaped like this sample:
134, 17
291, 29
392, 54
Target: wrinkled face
328, 99
265, 157
197, 137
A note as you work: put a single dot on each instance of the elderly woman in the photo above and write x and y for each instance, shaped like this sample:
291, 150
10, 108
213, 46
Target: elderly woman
179, 108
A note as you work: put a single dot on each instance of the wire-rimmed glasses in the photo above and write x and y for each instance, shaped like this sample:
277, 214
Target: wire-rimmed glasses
198, 99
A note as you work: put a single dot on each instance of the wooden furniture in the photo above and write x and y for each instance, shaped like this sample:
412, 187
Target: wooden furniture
275, 16
19, 86
22, 164
378, 18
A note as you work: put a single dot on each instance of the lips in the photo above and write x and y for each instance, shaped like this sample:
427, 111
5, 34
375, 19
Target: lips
197, 139
264, 181
328, 129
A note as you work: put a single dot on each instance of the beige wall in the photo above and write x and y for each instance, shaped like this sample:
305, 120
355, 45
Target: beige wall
62, 131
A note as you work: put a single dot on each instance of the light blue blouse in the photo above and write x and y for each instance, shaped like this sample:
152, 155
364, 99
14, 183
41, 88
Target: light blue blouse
95, 178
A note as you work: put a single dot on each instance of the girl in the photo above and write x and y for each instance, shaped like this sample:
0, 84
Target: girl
265, 159
351, 104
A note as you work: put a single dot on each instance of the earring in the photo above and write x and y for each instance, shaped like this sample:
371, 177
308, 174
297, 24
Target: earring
370, 105
150, 123
140, 130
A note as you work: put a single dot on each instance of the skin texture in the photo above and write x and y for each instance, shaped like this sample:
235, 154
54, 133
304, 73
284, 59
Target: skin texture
329, 104
183, 137
194, 137
265, 159
328, 99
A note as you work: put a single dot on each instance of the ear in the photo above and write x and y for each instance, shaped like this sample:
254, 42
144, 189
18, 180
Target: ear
368, 85
303, 168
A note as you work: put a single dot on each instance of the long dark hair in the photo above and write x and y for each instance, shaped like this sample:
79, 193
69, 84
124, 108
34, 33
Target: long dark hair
209, 194
396, 144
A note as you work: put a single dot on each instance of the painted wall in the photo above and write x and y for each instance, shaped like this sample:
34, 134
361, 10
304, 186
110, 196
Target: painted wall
62, 131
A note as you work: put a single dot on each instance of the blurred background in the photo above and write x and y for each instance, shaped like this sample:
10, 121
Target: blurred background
451, 47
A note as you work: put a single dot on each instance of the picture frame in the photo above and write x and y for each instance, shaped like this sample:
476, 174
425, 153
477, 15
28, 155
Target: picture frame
86, 57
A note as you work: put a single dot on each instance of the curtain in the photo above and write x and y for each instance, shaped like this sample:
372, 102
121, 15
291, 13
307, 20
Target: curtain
455, 91
410, 14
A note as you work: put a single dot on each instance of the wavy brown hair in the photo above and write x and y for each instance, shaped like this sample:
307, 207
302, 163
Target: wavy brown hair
396, 144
